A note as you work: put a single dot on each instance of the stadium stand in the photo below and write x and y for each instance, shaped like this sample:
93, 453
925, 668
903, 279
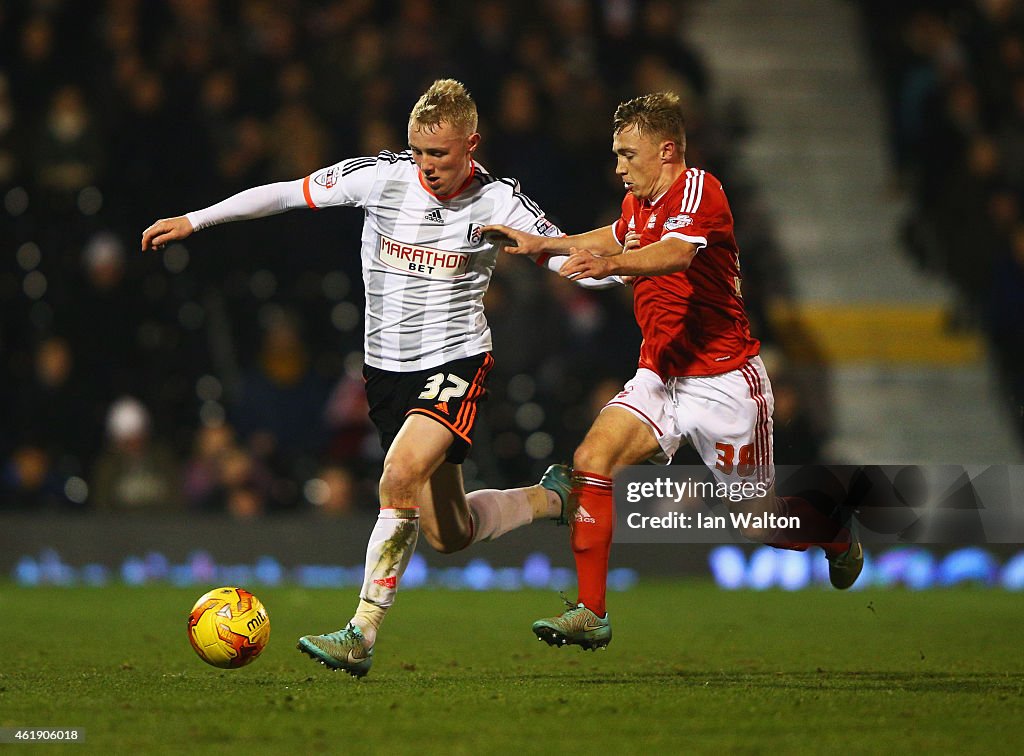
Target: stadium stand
114, 114
953, 77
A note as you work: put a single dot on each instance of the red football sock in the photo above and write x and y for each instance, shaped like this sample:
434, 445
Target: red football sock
592, 529
816, 528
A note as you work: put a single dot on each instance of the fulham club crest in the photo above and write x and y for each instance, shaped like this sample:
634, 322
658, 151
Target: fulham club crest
327, 179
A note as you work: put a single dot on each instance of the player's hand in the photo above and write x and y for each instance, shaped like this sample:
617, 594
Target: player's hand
513, 241
583, 263
164, 231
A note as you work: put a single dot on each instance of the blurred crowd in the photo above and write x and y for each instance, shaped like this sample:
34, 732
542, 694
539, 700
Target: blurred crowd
223, 375
953, 72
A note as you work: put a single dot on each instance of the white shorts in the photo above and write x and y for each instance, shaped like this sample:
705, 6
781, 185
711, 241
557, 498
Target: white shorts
727, 418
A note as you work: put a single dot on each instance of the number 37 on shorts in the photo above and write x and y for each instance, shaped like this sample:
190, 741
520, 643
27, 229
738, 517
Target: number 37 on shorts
441, 387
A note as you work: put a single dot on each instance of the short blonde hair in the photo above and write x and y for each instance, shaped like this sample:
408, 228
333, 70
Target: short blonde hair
656, 114
446, 101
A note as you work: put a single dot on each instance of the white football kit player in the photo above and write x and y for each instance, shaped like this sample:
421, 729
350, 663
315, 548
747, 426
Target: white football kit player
425, 263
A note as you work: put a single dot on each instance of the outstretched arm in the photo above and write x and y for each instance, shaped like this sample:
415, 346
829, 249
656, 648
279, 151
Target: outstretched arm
669, 255
257, 202
600, 240
555, 263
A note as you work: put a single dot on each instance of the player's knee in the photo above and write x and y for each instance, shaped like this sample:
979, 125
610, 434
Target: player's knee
753, 521
399, 483
592, 458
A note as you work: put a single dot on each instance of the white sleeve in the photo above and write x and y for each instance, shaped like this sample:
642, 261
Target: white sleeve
347, 183
524, 214
555, 263
269, 199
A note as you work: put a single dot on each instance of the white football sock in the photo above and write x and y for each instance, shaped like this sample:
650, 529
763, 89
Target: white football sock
497, 512
391, 546
368, 618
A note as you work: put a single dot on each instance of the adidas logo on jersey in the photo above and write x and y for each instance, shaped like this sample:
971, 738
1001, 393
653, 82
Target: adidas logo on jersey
582, 515
434, 216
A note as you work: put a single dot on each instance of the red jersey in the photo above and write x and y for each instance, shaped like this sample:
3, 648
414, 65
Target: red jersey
693, 322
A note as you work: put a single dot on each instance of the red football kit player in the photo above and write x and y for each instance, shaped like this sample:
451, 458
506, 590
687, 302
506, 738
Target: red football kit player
700, 379
693, 321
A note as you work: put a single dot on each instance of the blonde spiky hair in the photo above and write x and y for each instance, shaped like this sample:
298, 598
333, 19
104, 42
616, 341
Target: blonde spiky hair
446, 101
656, 114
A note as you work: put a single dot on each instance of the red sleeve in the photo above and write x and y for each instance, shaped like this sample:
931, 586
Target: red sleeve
703, 216
621, 226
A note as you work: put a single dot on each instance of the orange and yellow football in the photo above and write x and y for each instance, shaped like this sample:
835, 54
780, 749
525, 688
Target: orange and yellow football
228, 627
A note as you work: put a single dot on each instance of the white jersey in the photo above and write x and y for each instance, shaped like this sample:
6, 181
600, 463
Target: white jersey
425, 265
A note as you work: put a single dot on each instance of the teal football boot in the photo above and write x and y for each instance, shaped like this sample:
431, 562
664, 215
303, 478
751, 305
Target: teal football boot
344, 649
558, 478
576, 627
845, 568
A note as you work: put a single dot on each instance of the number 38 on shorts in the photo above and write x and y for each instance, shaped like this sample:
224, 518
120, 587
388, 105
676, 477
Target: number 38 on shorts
730, 459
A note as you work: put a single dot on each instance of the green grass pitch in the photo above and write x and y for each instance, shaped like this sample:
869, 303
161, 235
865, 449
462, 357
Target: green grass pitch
691, 669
